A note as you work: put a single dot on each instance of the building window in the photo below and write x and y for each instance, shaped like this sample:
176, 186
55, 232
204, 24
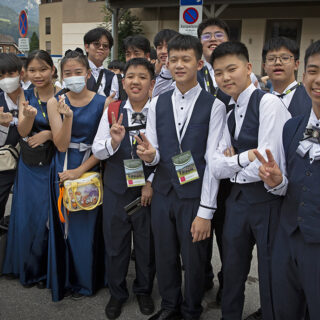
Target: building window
48, 46
284, 28
48, 25
235, 29
7, 49
1, 49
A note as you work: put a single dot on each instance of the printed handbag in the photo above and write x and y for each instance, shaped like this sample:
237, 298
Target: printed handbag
9, 157
38, 156
85, 193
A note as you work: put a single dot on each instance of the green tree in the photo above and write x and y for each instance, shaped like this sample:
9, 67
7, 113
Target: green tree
34, 42
128, 25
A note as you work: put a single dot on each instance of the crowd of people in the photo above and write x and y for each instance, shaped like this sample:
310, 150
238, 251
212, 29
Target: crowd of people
176, 149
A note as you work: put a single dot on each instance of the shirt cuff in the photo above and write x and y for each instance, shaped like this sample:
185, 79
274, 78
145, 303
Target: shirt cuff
205, 212
150, 178
244, 159
280, 188
154, 161
109, 147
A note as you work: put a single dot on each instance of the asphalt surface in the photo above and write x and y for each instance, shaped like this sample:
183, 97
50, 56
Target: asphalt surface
19, 303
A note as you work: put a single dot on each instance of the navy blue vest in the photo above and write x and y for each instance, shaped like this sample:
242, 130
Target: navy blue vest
194, 140
300, 103
301, 205
13, 135
108, 76
114, 174
255, 192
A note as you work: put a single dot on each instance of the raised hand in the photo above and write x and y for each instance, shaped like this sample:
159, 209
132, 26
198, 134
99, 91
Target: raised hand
229, 152
145, 150
29, 111
5, 118
117, 131
63, 108
269, 171
109, 100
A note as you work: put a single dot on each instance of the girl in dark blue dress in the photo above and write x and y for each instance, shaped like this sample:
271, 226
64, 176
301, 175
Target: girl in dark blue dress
76, 250
27, 246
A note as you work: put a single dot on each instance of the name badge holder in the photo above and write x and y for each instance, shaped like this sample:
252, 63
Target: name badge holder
134, 169
183, 162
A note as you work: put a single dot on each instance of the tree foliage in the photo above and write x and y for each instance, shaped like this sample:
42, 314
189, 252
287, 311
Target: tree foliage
34, 42
128, 25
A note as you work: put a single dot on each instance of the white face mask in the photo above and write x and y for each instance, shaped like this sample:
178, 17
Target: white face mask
75, 84
9, 85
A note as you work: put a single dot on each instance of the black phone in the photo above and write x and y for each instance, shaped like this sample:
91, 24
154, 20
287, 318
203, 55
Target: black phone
133, 206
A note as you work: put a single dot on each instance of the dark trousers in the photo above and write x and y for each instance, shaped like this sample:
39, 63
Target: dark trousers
6, 182
118, 228
295, 276
217, 229
171, 220
246, 225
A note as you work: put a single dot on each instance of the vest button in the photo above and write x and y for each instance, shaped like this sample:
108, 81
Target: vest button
308, 173
304, 188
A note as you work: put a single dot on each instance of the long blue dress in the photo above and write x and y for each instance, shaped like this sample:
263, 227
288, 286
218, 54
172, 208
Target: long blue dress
27, 246
77, 262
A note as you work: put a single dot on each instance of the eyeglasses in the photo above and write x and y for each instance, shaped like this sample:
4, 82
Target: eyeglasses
284, 59
98, 44
218, 35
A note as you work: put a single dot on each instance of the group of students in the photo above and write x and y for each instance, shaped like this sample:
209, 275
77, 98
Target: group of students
195, 146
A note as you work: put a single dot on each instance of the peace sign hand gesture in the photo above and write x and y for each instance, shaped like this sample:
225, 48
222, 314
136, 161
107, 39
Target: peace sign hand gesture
63, 108
29, 111
269, 171
145, 150
117, 131
5, 118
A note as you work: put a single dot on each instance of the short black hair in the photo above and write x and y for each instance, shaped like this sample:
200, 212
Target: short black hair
95, 35
40, 55
9, 62
313, 49
137, 41
153, 54
185, 42
24, 61
230, 47
277, 43
213, 22
140, 62
164, 35
116, 64
74, 54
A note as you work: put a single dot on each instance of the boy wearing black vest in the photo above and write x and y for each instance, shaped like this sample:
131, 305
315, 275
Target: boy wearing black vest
183, 129
280, 57
10, 77
98, 43
116, 143
296, 253
256, 121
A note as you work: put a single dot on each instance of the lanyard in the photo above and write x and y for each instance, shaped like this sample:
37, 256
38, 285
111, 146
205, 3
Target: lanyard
289, 90
208, 81
186, 123
40, 104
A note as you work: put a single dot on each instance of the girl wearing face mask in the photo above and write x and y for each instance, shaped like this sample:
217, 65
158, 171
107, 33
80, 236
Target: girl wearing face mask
10, 75
27, 245
76, 251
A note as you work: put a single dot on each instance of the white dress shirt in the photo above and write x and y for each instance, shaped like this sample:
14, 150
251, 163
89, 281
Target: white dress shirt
5, 130
164, 82
95, 72
184, 103
313, 150
115, 87
272, 117
286, 100
102, 148
25, 85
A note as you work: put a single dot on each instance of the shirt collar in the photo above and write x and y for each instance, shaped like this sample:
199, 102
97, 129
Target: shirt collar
287, 88
244, 96
189, 94
11, 105
209, 66
94, 67
313, 120
128, 106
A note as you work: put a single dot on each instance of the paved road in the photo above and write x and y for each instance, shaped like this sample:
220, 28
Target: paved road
18, 303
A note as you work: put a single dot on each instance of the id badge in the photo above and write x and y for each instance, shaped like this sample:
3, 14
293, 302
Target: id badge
185, 167
134, 173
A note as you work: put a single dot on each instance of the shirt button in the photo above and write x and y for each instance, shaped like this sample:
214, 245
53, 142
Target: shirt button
182, 97
317, 124
244, 180
240, 115
308, 173
181, 108
179, 124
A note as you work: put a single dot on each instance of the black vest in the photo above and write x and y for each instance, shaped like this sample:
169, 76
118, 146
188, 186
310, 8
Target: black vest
114, 174
194, 140
255, 192
300, 103
13, 135
301, 205
108, 76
